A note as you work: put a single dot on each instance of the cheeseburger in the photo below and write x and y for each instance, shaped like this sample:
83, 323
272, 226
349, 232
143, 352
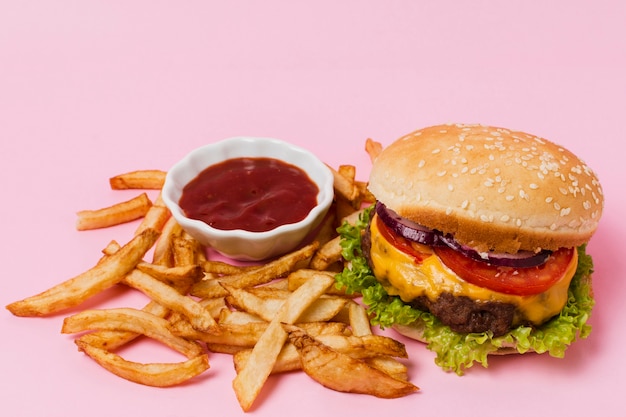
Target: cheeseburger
476, 243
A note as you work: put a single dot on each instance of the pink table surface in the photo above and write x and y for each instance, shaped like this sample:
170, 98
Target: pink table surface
92, 89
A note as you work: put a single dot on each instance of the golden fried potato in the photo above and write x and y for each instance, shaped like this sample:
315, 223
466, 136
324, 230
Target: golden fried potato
147, 179
152, 374
119, 213
341, 372
108, 272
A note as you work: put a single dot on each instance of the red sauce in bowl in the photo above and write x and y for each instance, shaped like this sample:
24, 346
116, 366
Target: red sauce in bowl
254, 194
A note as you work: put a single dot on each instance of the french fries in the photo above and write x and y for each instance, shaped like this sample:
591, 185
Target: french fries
152, 374
131, 320
212, 288
341, 372
119, 213
283, 315
249, 381
148, 179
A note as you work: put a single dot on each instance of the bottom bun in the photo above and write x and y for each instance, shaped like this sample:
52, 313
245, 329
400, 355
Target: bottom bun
417, 333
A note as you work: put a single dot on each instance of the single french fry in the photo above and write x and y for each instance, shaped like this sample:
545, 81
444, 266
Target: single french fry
327, 254
299, 277
148, 179
103, 275
156, 217
223, 268
359, 321
163, 253
250, 380
151, 374
344, 186
184, 249
119, 213
363, 346
172, 274
132, 320
373, 148
200, 318
390, 366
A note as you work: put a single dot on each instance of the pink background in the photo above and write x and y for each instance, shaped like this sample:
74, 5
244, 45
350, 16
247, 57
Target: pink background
90, 89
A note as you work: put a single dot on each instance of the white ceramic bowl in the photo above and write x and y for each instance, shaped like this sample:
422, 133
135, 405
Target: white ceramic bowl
242, 244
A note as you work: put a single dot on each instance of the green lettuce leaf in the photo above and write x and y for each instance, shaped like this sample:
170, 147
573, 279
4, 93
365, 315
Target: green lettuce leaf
457, 352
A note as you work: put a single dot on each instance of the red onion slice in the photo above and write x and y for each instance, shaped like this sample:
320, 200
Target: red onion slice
421, 234
404, 227
520, 259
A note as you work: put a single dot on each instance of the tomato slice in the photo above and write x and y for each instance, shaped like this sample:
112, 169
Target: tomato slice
508, 280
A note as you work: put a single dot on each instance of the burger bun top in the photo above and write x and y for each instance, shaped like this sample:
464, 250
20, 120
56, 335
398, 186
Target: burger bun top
491, 188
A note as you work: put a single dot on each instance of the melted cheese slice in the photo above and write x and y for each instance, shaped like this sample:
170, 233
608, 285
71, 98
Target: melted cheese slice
401, 275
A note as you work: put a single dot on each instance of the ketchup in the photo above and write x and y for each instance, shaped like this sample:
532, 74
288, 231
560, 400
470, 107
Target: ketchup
254, 194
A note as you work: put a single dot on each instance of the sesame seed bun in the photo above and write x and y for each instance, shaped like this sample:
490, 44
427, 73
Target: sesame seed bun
492, 188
